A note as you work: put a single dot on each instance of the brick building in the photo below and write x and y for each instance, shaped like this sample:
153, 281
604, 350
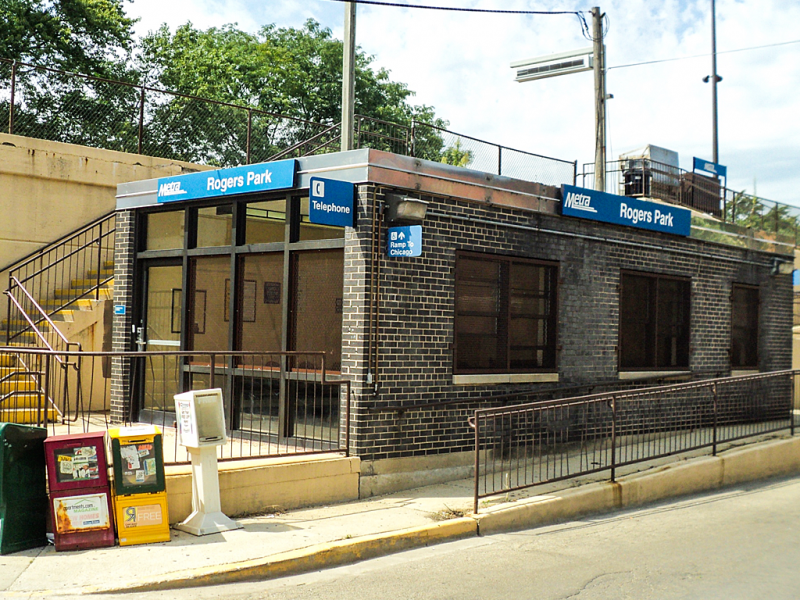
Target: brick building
508, 295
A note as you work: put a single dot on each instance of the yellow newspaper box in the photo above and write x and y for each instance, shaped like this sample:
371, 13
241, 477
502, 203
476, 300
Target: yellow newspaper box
142, 518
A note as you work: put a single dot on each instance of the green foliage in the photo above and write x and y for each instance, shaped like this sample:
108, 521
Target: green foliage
292, 72
457, 156
88, 36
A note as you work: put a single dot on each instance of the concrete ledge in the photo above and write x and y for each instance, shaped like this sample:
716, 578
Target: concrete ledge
550, 508
768, 459
248, 487
307, 559
697, 475
396, 474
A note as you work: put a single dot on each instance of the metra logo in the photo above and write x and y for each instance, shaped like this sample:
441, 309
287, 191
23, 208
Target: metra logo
170, 189
579, 202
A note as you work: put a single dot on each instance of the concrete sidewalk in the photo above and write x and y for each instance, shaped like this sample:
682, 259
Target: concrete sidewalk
311, 539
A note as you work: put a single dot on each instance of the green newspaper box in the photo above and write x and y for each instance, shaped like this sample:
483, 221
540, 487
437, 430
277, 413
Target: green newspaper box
23, 490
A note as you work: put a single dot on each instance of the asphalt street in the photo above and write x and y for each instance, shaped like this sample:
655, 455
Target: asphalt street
737, 543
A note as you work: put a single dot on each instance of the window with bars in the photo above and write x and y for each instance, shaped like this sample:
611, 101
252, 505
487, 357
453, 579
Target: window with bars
505, 314
654, 321
744, 326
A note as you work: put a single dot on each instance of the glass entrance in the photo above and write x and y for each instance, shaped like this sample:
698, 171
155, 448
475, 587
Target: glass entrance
161, 332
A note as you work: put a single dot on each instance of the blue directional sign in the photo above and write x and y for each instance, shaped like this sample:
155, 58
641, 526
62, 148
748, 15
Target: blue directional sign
621, 210
331, 202
262, 177
119, 309
710, 167
404, 241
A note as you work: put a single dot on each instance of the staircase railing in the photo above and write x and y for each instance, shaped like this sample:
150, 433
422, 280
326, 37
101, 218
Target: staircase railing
59, 275
53, 340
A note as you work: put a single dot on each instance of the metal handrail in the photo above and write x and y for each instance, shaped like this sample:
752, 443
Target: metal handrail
45, 317
531, 444
65, 256
294, 147
19, 263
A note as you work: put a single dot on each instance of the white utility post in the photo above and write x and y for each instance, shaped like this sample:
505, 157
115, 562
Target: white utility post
599, 56
577, 61
348, 76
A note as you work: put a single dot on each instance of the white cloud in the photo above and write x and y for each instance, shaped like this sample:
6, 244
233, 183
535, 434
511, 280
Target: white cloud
459, 63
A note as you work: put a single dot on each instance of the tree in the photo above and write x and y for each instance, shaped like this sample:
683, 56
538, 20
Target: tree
457, 156
88, 37
286, 71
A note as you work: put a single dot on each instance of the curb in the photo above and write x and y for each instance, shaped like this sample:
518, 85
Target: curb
701, 474
312, 558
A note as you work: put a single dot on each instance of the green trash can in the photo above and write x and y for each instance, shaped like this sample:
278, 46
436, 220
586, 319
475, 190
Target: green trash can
23, 490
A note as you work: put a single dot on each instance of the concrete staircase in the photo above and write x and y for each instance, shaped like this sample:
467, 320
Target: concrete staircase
21, 399
51, 306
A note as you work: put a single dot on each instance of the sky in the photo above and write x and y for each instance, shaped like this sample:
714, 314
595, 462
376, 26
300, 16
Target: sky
459, 63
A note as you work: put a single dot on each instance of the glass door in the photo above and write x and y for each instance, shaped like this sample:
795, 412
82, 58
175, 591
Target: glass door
161, 332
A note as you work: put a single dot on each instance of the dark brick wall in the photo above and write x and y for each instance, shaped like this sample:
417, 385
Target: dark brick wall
121, 330
417, 305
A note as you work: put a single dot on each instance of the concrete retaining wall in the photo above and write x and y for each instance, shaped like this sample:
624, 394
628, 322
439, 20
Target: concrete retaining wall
267, 485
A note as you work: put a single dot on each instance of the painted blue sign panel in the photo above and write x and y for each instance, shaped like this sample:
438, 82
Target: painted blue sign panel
404, 241
710, 167
621, 210
228, 182
795, 277
330, 202
119, 309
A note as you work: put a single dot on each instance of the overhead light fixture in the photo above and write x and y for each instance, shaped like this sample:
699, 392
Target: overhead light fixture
403, 208
553, 65
781, 267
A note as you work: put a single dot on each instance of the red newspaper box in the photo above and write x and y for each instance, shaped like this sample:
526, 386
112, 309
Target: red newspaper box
81, 512
76, 461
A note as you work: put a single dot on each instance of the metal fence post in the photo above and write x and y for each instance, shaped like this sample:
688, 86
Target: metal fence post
613, 438
13, 90
714, 441
477, 463
249, 132
575, 174
499, 160
791, 401
99, 260
141, 121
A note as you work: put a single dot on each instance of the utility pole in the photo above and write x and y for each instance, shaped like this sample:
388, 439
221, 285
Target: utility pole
599, 64
714, 79
348, 75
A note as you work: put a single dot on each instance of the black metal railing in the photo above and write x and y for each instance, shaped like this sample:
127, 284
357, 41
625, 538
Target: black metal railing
277, 403
464, 151
647, 178
56, 105
78, 267
522, 446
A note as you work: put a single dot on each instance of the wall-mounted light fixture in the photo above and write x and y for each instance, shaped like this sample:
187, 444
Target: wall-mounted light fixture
779, 266
403, 208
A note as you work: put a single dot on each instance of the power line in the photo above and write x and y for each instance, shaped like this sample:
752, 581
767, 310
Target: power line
652, 62
471, 10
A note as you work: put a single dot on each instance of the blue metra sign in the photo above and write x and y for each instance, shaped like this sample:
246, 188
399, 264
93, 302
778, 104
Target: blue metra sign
710, 167
227, 182
404, 241
331, 202
621, 210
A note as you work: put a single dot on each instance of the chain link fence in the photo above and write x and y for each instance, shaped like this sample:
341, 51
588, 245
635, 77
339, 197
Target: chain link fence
49, 104
464, 151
